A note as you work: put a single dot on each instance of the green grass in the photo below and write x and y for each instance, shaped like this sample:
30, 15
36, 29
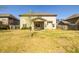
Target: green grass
41, 41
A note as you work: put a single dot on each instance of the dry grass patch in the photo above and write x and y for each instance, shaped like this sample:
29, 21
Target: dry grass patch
41, 41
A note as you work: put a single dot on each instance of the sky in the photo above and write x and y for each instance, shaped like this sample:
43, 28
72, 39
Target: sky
62, 11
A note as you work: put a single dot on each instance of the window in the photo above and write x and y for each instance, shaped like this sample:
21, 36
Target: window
4, 21
53, 25
24, 25
49, 22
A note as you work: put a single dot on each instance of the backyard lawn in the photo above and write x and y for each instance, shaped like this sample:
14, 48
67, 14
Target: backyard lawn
41, 41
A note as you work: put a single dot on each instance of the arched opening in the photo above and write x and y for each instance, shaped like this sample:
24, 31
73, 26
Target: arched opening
38, 23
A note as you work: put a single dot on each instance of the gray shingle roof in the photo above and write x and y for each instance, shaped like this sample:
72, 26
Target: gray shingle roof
64, 22
73, 16
7, 15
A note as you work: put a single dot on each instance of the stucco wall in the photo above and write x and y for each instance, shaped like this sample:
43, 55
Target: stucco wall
53, 19
24, 20
4, 21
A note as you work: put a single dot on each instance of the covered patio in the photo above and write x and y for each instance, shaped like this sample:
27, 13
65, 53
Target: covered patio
38, 24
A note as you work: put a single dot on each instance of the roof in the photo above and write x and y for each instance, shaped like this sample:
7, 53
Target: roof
7, 15
38, 18
38, 14
73, 16
64, 22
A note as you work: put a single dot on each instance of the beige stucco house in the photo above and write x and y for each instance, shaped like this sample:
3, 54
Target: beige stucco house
38, 21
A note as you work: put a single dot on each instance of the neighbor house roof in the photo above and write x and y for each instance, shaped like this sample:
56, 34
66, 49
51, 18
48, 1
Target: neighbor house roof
64, 22
7, 15
73, 16
38, 14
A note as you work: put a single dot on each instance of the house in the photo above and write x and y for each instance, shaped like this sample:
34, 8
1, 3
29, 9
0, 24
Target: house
38, 21
71, 23
8, 21
63, 25
74, 21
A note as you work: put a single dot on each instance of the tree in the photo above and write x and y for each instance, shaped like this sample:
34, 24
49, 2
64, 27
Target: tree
30, 18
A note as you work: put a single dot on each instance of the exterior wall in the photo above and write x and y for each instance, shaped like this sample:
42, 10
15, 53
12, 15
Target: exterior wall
68, 27
50, 25
4, 21
63, 27
26, 20
72, 27
13, 21
9, 23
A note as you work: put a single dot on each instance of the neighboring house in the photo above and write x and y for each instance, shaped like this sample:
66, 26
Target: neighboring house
8, 20
72, 22
38, 21
63, 25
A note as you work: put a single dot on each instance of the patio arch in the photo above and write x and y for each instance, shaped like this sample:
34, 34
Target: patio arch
38, 23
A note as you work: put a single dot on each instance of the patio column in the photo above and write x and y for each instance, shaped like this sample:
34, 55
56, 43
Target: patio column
45, 24
32, 25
